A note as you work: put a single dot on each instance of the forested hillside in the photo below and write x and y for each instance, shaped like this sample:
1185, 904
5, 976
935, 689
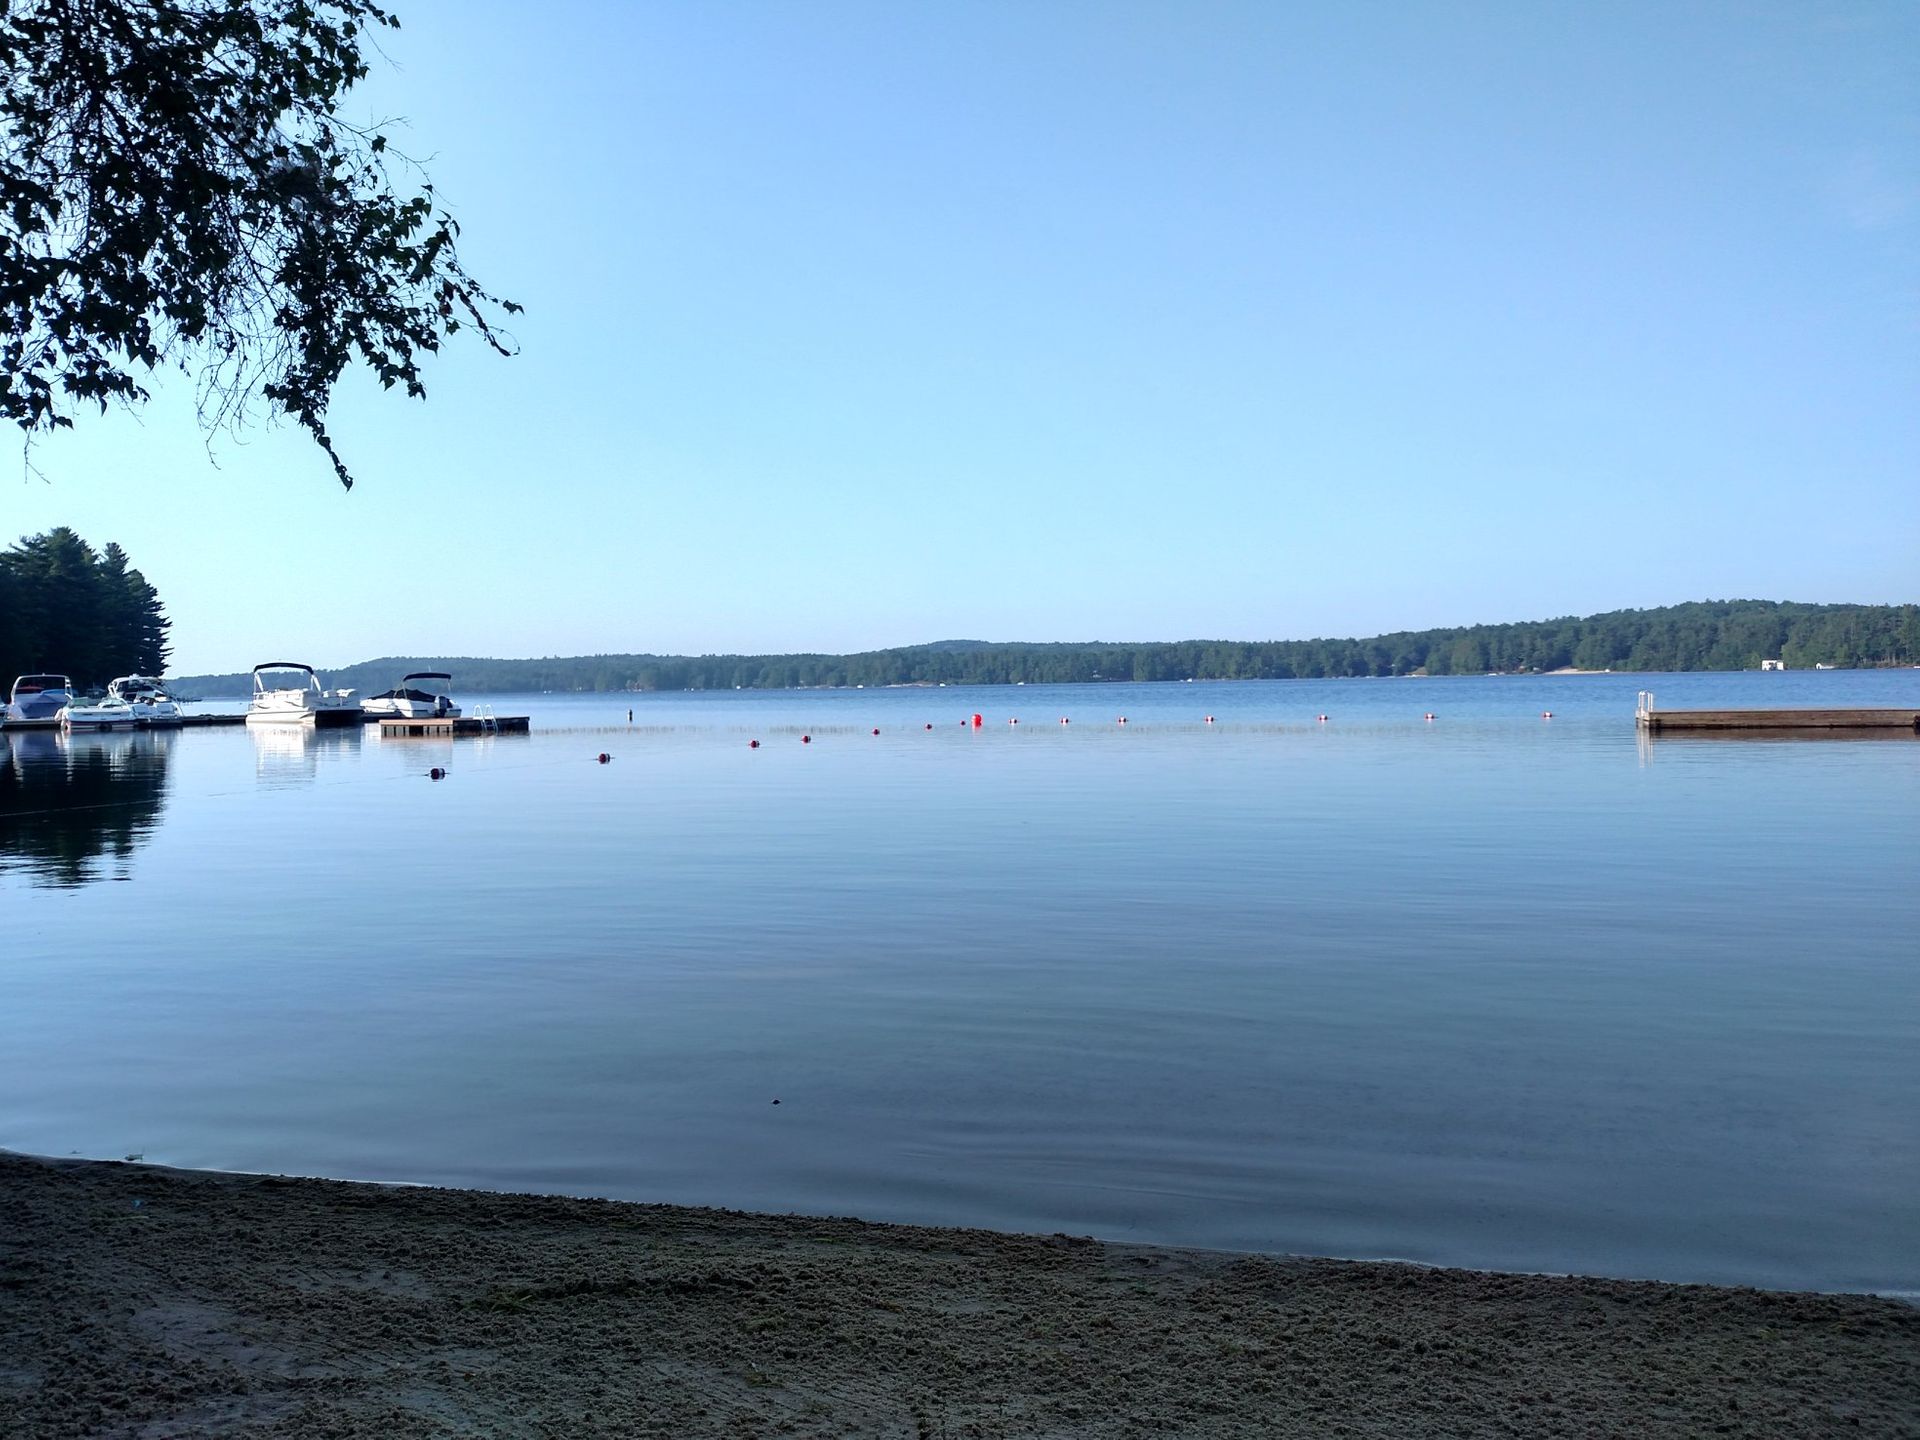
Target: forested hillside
68, 610
1706, 635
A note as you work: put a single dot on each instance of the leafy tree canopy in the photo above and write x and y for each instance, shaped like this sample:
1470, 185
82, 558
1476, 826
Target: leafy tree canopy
177, 187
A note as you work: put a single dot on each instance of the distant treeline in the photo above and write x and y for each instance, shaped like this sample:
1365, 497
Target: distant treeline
1708, 635
66, 610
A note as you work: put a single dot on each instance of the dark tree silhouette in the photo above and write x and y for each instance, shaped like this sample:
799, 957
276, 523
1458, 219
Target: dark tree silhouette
65, 609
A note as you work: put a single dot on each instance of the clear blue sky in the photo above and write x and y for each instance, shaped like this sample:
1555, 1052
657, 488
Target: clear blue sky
864, 324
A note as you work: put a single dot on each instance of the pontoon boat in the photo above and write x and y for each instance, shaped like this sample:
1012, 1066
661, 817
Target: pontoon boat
286, 692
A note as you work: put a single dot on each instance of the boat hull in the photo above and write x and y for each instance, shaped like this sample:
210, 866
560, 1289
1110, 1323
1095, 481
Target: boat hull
329, 719
407, 710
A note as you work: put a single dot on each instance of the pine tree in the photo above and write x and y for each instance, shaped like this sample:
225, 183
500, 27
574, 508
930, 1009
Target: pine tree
67, 610
149, 649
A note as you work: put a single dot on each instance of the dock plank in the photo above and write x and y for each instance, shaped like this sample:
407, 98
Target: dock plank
456, 725
1792, 719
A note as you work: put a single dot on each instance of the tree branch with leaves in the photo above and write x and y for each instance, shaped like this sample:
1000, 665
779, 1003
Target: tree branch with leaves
177, 188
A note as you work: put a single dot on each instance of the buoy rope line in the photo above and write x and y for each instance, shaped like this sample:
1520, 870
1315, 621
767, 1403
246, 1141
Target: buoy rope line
446, 772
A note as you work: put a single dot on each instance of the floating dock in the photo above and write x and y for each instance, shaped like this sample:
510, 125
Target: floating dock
124, 727
455, 725
1661, 721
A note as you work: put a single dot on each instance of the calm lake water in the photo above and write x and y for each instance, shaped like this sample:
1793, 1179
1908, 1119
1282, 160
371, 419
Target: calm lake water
1490, 990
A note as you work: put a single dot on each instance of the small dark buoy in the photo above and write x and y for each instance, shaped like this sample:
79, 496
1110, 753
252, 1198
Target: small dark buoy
776, 1102
753, 744
929, 724
1323, 719
876, 732
1122, 720
1065, 721
1546, 714
1429, 715
1013, 720
605, 758
436, 773
806, 739
1209, 719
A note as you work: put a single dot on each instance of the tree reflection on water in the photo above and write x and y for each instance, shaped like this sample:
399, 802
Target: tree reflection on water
75, 808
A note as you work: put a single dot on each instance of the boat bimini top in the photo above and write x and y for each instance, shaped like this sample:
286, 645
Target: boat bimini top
288, 667
426, 694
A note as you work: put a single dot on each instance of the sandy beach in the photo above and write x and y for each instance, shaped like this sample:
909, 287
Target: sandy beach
141, 1301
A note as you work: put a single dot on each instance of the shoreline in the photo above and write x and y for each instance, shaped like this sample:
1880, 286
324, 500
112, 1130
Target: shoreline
138, 1300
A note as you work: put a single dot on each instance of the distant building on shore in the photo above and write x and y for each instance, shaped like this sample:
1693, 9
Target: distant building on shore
1773, 664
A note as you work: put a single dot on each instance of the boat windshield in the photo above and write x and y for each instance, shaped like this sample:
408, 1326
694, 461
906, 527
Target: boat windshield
284, 677
35, 684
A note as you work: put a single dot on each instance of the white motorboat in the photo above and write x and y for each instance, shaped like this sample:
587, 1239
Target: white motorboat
286, 692
112, 713
37, 701
153, 708
419, 696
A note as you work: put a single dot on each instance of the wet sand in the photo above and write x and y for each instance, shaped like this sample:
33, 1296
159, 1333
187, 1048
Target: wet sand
140, 1301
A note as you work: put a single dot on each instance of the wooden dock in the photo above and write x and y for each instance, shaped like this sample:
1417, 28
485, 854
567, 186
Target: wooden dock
456, 725
1661, 721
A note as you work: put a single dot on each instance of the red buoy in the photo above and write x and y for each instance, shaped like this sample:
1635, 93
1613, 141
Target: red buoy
436, 773
976, 721
806, 739
876, 732
929, 724
605, 758
753, 744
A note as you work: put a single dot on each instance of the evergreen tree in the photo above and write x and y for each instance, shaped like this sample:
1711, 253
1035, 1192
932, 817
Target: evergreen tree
70, 611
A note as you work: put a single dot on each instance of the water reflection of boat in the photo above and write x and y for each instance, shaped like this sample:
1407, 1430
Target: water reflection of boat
425, 700
69, 802
290, 754
122, 751
36, 702
285, 692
